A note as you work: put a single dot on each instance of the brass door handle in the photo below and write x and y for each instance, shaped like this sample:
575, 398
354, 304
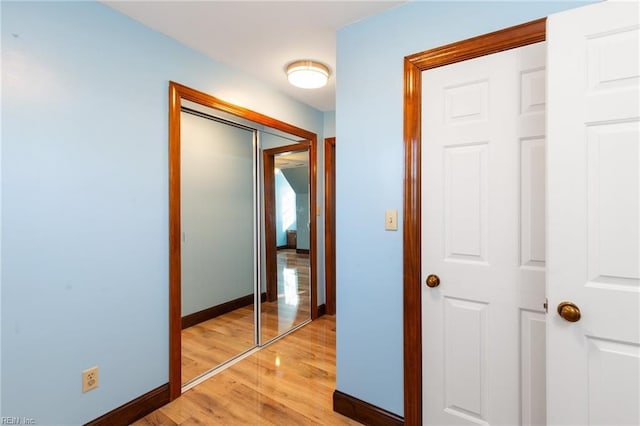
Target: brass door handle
433, 281
569, 311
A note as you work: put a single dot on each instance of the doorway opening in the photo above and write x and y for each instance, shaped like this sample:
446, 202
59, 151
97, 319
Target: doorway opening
288, 247
414, 65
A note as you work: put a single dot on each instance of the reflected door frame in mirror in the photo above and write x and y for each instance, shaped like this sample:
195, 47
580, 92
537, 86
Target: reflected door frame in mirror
177, 94
269, 200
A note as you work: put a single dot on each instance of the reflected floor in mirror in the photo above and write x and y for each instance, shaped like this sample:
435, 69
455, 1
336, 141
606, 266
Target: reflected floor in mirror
289, 382
293, 306
212, 342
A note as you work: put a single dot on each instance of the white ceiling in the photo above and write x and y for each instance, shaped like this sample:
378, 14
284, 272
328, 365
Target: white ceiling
292, 160
259, 37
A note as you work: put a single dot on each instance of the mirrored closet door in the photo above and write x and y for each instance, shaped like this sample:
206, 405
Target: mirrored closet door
242, 233
287, 224
218, 264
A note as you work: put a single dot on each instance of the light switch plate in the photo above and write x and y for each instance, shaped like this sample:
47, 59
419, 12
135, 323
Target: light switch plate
391, 220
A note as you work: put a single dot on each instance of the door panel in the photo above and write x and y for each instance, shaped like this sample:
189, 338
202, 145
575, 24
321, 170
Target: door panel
532, 367
532, 203
465, 358
465, 202
483, 235
594, 215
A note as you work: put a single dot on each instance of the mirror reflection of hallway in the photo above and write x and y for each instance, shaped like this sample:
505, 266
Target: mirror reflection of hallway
289, 305
287, 237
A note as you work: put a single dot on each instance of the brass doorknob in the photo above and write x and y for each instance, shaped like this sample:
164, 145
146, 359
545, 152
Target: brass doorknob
569, 311
433, 281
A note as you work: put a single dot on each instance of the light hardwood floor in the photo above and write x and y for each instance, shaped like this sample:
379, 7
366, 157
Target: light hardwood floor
212, 342
289, 382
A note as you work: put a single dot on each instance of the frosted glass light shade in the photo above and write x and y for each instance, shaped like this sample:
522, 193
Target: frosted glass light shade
307, 74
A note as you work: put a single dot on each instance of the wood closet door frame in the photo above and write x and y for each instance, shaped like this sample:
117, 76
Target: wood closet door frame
414, 65
178, 93
330, 224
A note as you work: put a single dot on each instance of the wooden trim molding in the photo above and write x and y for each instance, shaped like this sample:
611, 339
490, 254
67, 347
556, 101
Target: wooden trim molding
322, 310
300, 146
330, 223
313, 223
178, 93
364, 412
134, 409
269, 201
175, 290
414, 65
189, 94
482, 45
215, 311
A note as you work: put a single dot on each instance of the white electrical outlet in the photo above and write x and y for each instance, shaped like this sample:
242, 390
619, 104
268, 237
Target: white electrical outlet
90, 379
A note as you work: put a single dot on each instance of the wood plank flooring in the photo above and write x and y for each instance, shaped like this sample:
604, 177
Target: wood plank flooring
289, 382
210, 343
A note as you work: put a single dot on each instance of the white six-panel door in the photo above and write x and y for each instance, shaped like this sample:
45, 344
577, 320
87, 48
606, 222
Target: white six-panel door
593, 215
483, 225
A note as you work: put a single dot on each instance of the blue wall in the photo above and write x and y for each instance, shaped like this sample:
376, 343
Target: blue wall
298, 178
302, 220
84, 201
329, 124
329, 131
370, 166
285, 204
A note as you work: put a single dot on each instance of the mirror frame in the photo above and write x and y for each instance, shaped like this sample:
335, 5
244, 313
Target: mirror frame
177, 93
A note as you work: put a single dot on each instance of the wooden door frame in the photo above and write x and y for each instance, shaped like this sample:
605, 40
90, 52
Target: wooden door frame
270, 243
414, 65
178, 93
330, 225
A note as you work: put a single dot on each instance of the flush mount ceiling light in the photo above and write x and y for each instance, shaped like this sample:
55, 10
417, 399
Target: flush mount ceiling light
307, 74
